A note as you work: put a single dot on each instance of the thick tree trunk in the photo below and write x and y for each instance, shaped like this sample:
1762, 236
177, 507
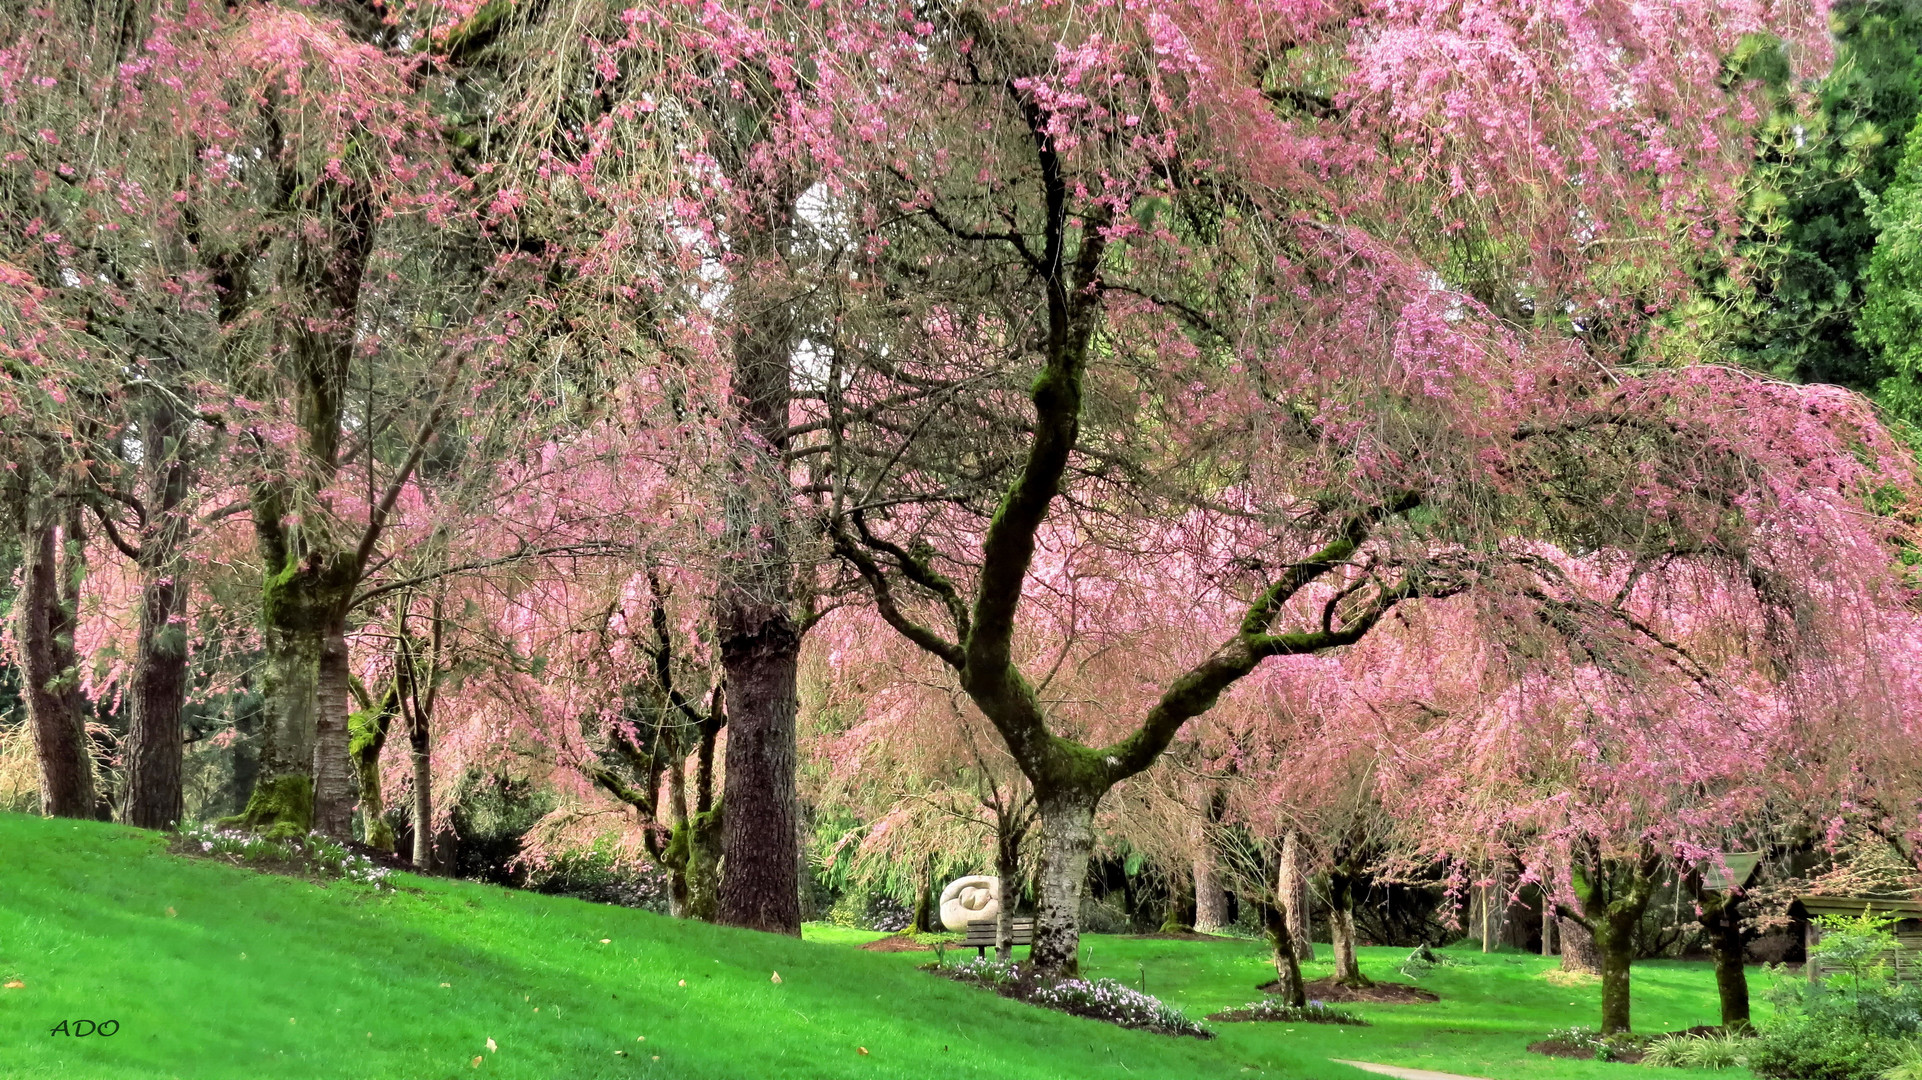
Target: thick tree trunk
1548, 926
1616, 950
1615, 892
1290, 988
1292, 891
760, 644
151, 795
1578, 948
1722, 918
760, 881
55, 708
1341, 930
282, 802
333, 784
1211, 900
1179, 918
1067, 841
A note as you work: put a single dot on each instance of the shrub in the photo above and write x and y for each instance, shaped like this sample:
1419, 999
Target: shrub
1699, 1051
1315, 1012
1802, 1049
1854, 1023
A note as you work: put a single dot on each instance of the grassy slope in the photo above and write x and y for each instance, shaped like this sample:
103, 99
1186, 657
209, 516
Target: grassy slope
260, 976
1492, 1006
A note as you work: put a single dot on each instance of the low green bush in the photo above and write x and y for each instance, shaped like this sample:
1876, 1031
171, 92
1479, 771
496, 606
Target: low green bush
1851, 1025
1723, 1051
1802, 1049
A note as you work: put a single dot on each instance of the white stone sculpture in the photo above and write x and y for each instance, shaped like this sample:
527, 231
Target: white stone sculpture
965, 900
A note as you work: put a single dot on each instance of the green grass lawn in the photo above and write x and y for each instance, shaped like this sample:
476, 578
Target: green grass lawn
252, 975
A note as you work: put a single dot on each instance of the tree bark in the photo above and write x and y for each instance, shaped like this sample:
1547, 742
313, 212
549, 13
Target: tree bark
1722, 918
1067, 842
421, 748
151, 795
282, 802
1615, 892
1211, 900
367, 737
760, 883
1616, 953
1341, 930
1290, 988
1007, 867
1179, 916
760, 644
1292, 892
49, 587
333, 784
1548, 925
1578, 948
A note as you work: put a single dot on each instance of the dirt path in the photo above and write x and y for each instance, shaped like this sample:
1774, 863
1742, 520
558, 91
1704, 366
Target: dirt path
1400, 1073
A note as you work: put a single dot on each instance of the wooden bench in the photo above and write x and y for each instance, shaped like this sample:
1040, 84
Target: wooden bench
981, 935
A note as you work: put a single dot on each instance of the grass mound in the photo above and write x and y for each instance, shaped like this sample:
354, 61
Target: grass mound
212, 971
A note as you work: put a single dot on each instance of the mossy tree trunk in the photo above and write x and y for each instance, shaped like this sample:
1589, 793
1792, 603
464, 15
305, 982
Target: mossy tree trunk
366, 736
1067, 842
1614, 893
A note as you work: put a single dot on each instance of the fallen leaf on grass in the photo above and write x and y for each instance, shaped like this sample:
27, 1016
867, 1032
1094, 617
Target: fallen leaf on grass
683, 982
491, 1047
171, 913
477, 1060
447, 986
776, 980
605, 940
863, 1050
16, 985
